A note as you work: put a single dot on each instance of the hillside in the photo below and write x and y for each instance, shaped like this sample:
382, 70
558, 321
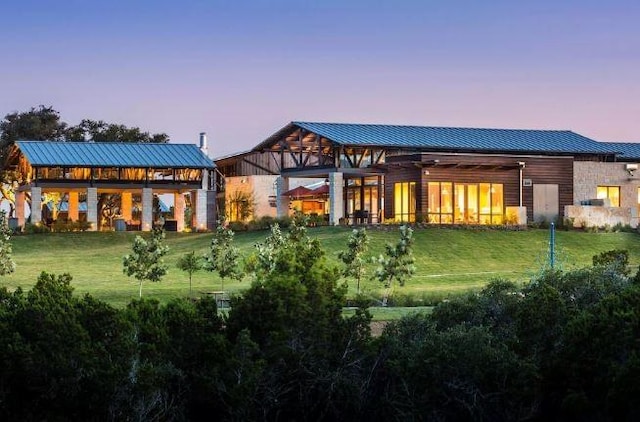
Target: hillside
448, 260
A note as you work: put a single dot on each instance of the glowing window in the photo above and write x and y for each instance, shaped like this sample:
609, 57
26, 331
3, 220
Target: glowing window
612, 193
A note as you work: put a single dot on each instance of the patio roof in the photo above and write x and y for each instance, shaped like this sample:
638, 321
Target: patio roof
113, 154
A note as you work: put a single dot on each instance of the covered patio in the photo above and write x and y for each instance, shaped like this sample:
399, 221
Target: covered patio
107, 183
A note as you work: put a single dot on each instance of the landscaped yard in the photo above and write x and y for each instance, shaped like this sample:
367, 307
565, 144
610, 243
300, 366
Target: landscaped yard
448, 261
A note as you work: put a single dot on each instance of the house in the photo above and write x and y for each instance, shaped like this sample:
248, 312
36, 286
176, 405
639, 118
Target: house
440, 175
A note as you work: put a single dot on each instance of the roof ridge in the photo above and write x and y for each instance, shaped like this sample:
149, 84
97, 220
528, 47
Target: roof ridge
296, 122
105, 142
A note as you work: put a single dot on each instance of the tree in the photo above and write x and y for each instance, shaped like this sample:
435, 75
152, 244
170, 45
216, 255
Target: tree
39, 123
101, 131
353, 257
145, 262
397, 263
7, 265
190, 263
224, 257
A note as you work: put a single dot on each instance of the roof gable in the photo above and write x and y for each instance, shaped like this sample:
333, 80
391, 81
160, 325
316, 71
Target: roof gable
113, 154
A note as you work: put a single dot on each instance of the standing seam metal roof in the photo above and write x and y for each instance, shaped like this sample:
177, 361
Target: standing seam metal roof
472, 139
114, 154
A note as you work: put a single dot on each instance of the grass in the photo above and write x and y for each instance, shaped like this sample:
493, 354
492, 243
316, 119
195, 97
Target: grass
448, 261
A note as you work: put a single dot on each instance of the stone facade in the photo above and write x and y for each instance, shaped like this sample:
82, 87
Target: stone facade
266, 190
587, 176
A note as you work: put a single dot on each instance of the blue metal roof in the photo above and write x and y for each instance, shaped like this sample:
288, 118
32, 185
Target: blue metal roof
113, 154
452, 138
626, 150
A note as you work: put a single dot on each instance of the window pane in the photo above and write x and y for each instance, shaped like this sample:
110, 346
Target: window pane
614, 196
472, 204
496, 199
446, 197
602, 192
485, 198
434, 197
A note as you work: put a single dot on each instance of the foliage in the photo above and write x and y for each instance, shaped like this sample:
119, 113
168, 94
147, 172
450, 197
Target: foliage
619, 258
224, 257
7, 266
100, 131
397, 262
145, 262
191, 263
240, 205
353, 257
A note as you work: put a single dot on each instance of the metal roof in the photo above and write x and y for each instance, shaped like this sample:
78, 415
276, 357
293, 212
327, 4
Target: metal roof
113, 154
451, 138
625, 150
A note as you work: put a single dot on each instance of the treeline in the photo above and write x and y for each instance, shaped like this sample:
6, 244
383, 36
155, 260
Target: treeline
565, 346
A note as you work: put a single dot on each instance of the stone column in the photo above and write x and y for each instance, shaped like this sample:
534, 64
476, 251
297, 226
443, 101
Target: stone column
336, 197
147, 209
20, 201
201, 209
282, 202
72, 201
126, 206
36, 205
178, 210
92, 208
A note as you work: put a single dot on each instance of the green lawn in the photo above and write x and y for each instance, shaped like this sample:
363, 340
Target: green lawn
448, 260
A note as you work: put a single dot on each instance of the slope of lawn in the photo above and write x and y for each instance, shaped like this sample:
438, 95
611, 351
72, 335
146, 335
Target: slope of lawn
448, 261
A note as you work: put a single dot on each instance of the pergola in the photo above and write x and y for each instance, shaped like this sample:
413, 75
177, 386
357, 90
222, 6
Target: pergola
89, 169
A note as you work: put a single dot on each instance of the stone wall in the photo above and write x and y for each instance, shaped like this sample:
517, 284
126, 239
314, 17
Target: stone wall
587, 176
597, 216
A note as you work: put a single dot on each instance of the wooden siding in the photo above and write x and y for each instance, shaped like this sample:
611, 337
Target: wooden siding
481, 169
252, 164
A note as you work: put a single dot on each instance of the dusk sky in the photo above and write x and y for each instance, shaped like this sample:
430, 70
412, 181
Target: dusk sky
241, 70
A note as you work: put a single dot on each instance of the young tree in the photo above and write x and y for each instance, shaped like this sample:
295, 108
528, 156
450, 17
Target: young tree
145, 262
353, 257
397, 262
191, 263
224, 257
7, 265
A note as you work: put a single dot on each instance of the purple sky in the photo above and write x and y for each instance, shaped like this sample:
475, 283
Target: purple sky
240, 70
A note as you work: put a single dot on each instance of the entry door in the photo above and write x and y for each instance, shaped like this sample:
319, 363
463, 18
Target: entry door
545, 202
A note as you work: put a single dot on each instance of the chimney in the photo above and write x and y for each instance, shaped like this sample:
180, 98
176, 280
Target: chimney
203, 143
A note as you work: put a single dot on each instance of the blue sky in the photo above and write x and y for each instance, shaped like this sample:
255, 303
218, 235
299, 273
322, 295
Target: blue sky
240, 70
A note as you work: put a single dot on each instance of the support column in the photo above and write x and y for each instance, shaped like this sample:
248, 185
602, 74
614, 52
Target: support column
336, 197
178, 211
36, 205
282, 202
20, 201
73, 214
147, 209
201, 210
126, 206
92, 208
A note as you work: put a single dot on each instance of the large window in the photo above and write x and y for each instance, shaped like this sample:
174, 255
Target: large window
612, 193
404, 201
465, 203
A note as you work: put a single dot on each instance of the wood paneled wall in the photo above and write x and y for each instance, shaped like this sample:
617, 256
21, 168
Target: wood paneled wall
481, 169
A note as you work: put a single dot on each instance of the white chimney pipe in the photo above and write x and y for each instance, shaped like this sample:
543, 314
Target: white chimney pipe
203, 142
